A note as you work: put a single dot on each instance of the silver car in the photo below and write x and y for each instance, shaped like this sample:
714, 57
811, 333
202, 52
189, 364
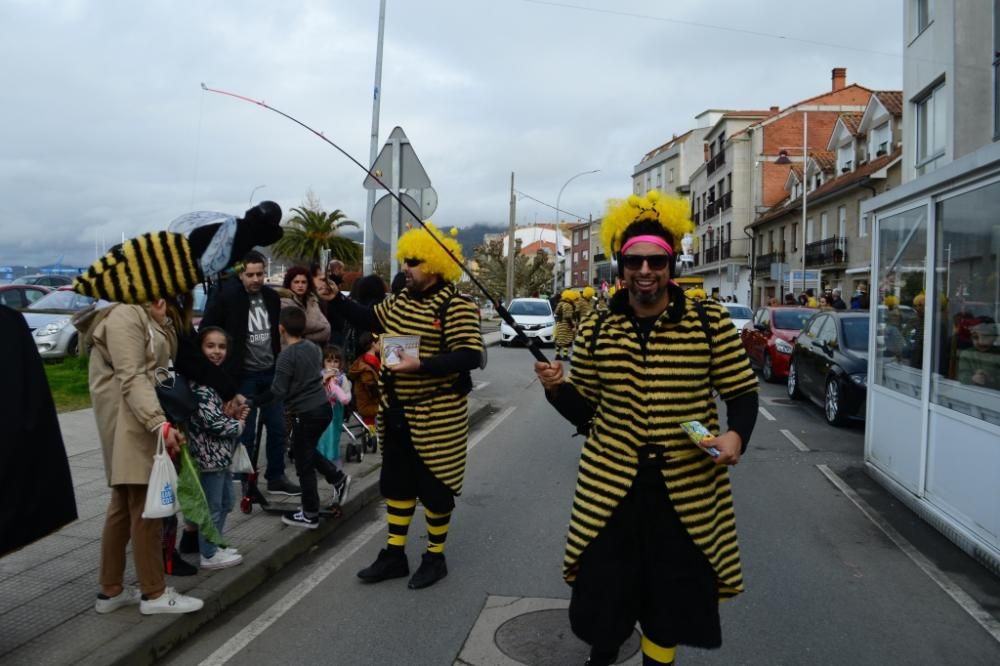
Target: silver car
49, 321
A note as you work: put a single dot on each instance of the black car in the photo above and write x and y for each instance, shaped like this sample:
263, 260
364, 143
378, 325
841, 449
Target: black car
830, 363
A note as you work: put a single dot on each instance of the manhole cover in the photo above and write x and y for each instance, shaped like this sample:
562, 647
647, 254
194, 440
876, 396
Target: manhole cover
544, 638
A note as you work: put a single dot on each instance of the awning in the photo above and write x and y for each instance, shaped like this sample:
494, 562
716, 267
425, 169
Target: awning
855, 271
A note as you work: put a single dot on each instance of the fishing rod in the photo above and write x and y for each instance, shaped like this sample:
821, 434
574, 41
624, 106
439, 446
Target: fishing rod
532, 343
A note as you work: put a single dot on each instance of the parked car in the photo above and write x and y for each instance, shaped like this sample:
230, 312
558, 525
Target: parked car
534, 316
739, 313
829, 364
45, 280
768, 338
49, 321
19, 296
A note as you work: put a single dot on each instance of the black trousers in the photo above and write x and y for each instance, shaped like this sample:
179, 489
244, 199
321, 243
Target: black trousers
643, 566
404, 475
307, 428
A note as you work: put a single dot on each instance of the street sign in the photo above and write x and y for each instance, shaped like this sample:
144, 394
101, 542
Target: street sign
427, 199
382, 217
411, 172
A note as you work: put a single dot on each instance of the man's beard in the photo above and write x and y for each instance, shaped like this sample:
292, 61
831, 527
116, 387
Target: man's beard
646, 298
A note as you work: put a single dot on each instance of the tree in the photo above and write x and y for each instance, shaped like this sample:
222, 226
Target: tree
312, 230
532, 275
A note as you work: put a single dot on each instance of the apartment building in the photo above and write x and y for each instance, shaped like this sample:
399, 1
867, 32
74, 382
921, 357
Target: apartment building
668, 168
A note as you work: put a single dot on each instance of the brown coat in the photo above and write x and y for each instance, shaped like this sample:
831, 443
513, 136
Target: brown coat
128, 346
317, 325
365, 378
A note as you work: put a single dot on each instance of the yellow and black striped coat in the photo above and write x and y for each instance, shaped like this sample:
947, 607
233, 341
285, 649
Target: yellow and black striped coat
438, 417
641, 393
582, 308
565, 325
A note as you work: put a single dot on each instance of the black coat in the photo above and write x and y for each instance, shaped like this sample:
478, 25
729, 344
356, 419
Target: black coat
36, 489
229, 309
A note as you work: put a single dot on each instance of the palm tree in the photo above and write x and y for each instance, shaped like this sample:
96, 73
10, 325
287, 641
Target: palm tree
311, 230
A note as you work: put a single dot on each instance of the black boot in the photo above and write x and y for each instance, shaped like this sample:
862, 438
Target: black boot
189, 542
390, 563
601, 657
432, 569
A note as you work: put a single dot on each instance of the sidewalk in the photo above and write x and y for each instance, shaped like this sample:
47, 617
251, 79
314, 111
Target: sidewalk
47, 589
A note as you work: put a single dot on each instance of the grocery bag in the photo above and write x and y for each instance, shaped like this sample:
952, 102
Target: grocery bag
161, 494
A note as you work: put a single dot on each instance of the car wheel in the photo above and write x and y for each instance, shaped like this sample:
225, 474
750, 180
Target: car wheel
767, 371
832, 403
793, 380
504, 343
73, 348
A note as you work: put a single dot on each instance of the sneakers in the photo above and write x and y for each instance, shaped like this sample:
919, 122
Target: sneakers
390, 563
342, 487
129, 596
282, 486
189, 542
175, 565
171, 601
299, 519
432, 569
222, 559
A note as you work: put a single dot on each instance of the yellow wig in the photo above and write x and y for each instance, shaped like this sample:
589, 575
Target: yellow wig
570, 295
418, 244
673, 214
695, 293
588, 292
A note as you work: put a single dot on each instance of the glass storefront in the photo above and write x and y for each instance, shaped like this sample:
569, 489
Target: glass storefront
902, 251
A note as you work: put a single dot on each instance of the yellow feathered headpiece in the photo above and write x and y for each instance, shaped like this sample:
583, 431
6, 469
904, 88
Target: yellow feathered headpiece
673, 214
588, 292
418, 244
695, 293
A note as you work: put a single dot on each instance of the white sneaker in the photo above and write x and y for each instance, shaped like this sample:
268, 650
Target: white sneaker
223, 559
230, 549
171, 601
129, 596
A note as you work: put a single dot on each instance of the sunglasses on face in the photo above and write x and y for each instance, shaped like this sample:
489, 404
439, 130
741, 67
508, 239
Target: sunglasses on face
656, 262
413, 262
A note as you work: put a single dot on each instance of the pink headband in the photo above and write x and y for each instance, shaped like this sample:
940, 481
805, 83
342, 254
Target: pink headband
655, 240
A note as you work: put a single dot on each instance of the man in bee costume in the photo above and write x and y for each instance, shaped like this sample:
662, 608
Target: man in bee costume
423, 411
584, 305
652, 535
565, 317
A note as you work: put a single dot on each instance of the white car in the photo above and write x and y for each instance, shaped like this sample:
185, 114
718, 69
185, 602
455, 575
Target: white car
739, 313
535, 317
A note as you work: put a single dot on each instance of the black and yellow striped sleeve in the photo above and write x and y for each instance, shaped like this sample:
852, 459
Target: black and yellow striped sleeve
584, 375
462, 329
731, 372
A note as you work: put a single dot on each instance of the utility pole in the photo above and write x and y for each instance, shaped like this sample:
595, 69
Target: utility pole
368, 238
511, 227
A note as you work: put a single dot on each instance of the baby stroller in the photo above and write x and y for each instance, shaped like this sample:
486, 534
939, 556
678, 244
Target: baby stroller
362, 438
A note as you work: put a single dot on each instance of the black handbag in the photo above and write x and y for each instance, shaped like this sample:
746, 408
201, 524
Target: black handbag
176, 397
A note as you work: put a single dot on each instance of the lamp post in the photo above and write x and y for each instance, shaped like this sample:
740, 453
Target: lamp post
783, 159
555, 266
252, 193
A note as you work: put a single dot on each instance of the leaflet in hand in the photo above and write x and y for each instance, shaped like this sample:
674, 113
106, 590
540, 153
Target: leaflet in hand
698, 434
392, 345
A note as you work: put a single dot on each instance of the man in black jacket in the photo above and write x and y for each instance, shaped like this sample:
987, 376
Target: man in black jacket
247, 310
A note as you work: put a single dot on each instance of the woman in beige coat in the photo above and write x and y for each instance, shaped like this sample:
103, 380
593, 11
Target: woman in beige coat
300, 292
129, 343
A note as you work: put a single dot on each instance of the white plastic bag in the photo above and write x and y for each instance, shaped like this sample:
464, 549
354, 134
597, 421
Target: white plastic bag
241, 460
161, 494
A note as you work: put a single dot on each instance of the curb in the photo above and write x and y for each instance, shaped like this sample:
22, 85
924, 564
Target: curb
152, 638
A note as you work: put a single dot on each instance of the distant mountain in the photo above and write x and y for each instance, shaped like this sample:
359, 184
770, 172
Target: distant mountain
470, 237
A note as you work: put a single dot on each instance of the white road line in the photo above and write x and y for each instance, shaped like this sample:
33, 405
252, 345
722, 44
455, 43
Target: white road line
489, 427
766, 414
795, 440
967, 603
479, 386
230, 648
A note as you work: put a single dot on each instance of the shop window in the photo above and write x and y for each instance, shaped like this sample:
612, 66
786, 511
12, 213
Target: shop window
902, 251
966, 349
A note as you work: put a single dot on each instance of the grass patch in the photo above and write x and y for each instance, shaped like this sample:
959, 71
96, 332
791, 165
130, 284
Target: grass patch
68, 383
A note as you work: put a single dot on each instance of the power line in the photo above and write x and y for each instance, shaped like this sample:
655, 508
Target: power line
558, 210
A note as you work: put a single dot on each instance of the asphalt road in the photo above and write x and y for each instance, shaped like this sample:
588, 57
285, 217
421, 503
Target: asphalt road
825, 585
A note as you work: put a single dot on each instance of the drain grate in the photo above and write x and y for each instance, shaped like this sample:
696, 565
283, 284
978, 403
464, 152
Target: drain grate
544, 638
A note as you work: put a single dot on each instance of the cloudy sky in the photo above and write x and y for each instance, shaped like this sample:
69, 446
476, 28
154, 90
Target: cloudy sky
106, 130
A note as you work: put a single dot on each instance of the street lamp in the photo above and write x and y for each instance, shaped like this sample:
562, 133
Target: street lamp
252, 193
783, 159
555, 270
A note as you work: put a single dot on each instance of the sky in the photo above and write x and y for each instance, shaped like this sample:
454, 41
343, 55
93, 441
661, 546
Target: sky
107, 132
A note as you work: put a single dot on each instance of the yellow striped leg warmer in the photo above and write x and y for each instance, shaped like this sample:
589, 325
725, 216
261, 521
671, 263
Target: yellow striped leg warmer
654, 655
399, 513
437, 530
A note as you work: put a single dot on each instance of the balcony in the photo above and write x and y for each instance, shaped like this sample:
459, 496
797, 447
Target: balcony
726, 202
712, 251
764, 261
710, 210
827, 252
716, 162
696, 218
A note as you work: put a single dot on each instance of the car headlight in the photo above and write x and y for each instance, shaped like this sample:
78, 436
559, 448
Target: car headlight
860, 379
53, 328
783, 346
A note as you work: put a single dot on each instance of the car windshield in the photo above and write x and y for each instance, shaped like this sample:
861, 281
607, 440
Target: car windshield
792, 320
855, 333
530, 308
24, 279
62, 300
739, 312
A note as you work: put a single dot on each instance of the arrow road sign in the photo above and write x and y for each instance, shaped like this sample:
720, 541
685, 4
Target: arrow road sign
412, 175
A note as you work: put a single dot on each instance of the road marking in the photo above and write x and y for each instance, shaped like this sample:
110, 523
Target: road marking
489, 427
967, 603
795, 440
767, 414
478, 386
230, 648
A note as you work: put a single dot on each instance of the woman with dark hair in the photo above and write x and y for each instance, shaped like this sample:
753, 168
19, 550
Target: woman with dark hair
300, 291
367, 291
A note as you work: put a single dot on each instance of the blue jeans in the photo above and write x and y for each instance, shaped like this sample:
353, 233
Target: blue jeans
254, 383
218, 487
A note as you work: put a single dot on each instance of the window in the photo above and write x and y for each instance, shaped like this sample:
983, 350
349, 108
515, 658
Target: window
921, 15
795, 237
770, 241
576, 237
781, 248
586, 255
586, 234
862, 221
880, 140
670, 175
823, 227
845, 158
931, 119
809, 230
576, 257
842, 222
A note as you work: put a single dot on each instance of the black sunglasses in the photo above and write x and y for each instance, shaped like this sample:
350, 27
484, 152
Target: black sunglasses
413, 262
657, 262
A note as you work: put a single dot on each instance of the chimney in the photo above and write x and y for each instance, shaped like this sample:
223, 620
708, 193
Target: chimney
839, 78
774, 110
